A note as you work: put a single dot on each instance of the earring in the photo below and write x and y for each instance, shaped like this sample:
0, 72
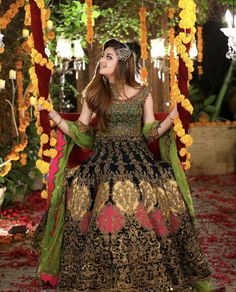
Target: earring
105, 79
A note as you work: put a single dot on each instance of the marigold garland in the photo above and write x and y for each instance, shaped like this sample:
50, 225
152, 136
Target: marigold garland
200, 50
173, 68
171, 12
89, 34
24, 118
173, 60
143, 42
27, 21
37, 58
10, 13
187, 20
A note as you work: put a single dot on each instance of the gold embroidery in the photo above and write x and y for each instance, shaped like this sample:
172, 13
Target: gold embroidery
102, 196
86, 129
148, 195
126, 197
79, 202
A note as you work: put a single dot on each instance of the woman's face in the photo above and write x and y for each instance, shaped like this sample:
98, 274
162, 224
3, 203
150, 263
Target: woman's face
108, 62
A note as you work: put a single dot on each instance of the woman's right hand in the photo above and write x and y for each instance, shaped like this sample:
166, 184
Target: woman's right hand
40, 106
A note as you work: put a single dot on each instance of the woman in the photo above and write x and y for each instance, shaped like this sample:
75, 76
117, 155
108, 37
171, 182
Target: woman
127, 226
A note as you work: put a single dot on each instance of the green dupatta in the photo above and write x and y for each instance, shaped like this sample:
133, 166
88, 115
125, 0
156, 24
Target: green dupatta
49, 264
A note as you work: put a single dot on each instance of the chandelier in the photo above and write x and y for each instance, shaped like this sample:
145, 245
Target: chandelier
68, 51
2, 45
230, 32
69, 59
158, 53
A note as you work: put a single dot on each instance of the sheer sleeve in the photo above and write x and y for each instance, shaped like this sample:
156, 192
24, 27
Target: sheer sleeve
82, 135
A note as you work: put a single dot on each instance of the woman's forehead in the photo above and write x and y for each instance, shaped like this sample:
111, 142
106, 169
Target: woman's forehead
110, 50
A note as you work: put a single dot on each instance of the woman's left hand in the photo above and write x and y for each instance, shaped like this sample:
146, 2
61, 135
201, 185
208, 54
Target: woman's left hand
174, 113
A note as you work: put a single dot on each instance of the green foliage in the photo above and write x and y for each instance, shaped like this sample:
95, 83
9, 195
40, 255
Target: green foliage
70, 19
200, 102
202, 11
20, 178
110, 18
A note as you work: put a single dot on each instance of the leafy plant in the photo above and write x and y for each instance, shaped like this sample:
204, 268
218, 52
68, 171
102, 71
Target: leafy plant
20, 178
201, 103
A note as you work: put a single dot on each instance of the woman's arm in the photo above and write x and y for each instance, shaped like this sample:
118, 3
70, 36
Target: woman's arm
84, 118
149, 118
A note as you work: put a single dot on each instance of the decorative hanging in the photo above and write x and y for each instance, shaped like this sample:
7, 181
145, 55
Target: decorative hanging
10, 13
200, 50
7, 18
230, 32
40, 74
179, 89
89, 7
143, 42
23, 105
2, 45
173, 60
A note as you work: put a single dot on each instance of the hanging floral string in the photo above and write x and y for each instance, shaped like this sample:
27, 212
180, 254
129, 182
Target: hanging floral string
173, 60
89, 7
10, 13
143, 42
40, 86
24, 118
200, 50
183, 40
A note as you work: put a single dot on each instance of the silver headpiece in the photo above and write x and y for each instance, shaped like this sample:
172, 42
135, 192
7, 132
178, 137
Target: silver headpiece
123, 53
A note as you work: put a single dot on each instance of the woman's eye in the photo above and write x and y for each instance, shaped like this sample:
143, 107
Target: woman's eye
109, 57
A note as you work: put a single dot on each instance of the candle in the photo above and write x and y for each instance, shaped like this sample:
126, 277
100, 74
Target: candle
2, 84
25, 33
12, 74
49, 25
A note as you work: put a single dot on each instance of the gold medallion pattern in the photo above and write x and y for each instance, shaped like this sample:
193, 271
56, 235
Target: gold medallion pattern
102, 196
126, 197
79, 202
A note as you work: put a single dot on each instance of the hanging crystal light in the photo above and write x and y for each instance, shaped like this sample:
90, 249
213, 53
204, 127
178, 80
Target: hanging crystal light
79, 57
158, 53
230, 32
2, 45
68, 53
193, 52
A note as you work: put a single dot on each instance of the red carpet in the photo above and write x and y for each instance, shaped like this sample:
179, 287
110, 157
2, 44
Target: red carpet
215, 204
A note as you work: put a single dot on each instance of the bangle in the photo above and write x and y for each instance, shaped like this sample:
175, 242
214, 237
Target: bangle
59, 122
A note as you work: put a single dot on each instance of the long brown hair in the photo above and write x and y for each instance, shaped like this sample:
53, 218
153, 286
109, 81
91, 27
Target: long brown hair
98, 92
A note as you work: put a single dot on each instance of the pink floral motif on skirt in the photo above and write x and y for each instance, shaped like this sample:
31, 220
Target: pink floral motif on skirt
110, 219
158, 223
84, 223
142, 216
175, 222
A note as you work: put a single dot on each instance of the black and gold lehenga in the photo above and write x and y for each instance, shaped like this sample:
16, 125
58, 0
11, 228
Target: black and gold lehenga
126, 225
